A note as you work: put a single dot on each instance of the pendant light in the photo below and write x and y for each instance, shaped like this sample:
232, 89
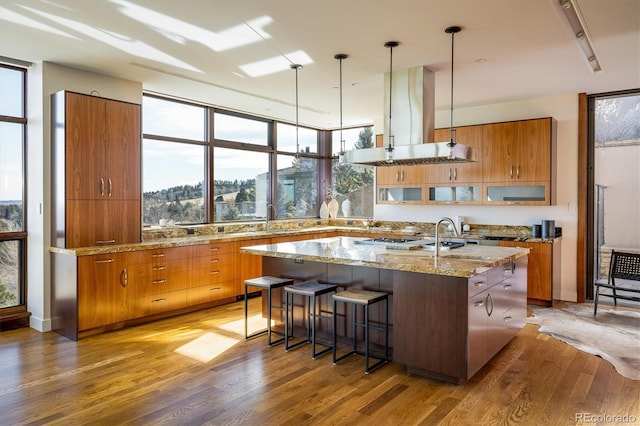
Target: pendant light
452, 133
341, 57
297, 67
390, 147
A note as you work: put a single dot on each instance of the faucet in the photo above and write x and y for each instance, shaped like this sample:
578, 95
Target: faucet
455, 230
270, 208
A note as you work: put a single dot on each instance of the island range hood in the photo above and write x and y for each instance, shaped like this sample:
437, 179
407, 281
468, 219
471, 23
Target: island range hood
412, 141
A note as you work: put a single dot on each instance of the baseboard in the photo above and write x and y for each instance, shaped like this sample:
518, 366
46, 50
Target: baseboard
42, 325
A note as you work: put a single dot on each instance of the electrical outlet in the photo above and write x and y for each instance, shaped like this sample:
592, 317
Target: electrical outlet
191, 231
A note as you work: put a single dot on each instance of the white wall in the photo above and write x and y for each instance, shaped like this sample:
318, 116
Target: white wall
46, 78
564, 109
616, 168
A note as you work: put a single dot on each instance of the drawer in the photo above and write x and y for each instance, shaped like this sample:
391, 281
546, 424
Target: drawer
477, 284
214, 274
211, 293
159, 255
204, 250
162, 268
163, 302
162, 283
214, 260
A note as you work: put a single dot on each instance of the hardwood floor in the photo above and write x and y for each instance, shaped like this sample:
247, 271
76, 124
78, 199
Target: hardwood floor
198, 369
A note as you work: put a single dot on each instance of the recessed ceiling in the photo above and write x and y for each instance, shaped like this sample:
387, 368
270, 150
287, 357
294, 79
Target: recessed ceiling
237, 54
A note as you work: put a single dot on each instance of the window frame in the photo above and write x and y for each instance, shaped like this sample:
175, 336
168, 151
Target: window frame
323, 156
20, 310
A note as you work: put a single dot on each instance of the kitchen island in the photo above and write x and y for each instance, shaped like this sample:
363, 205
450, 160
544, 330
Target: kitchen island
451, 313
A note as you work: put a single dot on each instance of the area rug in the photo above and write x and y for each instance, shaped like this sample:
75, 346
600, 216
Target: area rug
613, 335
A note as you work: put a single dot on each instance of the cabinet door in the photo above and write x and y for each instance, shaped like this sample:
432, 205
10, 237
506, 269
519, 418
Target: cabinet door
102, 290
122, 150
458, 172
500, 152
534, 150
477, 333
388, 175
539, 269
102, 222
84, 133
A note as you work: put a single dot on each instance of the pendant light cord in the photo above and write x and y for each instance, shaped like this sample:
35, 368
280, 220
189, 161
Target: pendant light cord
340, 57
390, 45
452, 31
297, 67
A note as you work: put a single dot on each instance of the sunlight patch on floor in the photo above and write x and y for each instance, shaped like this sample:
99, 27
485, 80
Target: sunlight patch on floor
207, 346
254, 323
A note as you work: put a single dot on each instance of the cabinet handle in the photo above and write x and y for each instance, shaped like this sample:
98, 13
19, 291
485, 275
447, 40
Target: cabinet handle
159, 268
124, 278
479, 303
449, 173
455, 173
214, 248
214, 260
159, 300
507, 319
511, 172
106, 242
479, 284
215, 289
489, 299
214, 272
104, 261
110, 187
402, 174
398, 176
518, 172
158, 255
102, 187
158, 281
507, 287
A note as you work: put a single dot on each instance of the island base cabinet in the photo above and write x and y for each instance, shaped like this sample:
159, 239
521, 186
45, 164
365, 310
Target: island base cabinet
448, 328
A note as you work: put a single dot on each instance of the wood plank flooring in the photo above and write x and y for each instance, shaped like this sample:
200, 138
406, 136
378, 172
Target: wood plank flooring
197, 369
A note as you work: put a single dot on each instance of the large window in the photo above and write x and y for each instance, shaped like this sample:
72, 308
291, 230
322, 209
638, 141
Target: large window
174, 152
203, 166
353, 183
12, 189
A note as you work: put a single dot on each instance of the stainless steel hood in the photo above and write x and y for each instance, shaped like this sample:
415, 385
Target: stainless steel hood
424, 153
413, 124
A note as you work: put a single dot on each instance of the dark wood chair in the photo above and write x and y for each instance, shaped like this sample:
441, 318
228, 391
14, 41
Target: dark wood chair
624, 267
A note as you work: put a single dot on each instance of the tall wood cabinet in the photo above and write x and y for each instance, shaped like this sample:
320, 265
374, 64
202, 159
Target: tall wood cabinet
96, 170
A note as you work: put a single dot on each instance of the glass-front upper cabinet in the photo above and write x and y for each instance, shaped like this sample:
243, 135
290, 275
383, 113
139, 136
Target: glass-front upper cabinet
413, 194
454, 194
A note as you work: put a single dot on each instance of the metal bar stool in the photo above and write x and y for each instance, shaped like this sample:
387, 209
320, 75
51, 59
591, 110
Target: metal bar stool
363, 298
311, 290
265, 283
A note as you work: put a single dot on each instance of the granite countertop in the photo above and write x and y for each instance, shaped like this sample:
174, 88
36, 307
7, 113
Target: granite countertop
176, 237
464, 262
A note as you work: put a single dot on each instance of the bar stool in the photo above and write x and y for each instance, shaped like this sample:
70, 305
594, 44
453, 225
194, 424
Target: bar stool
311, 290
266, 283
362, 298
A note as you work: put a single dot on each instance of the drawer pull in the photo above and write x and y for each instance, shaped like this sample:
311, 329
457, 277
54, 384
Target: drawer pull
507, 319
102, 187
159, 268
105, 261
215, 289
110, 187
124, 278
158, 255
158, 281
214, 260
159, 300
479, 303
106, 242
214, 248
214, 272
507, 287
479, 284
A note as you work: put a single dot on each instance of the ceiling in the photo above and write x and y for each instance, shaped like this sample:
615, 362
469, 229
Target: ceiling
199, 49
